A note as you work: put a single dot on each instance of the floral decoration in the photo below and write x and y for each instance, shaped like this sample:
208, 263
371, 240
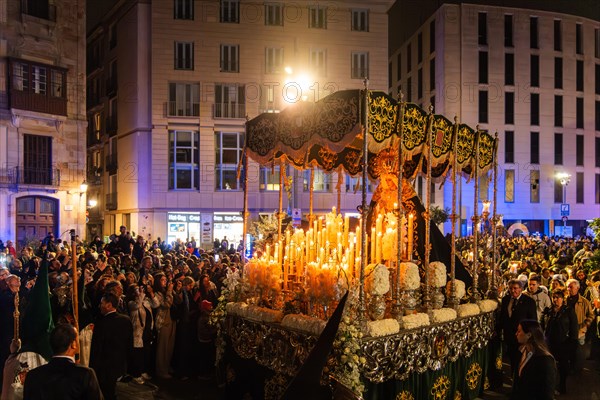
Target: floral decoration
488, 305
413, 321
377, 281
383, 327
409, 276
443, 315
305, 323
468, 310
437, 274
460, 289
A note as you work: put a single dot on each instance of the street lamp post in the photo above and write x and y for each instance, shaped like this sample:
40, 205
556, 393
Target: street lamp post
564, 179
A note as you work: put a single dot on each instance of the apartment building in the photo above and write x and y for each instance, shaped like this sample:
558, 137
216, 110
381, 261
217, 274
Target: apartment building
528, 70
42, 119
171, 84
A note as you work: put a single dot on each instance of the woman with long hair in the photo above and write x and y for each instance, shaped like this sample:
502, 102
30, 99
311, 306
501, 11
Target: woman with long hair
140, 312
535, 377
561, 330
162, 299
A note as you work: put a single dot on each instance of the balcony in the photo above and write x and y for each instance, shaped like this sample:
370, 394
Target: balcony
112, 162
229, 110
93, 175
29, 176
182, 109
38, 102
111, 201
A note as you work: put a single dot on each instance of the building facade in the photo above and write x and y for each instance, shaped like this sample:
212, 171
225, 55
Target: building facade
532, 76
171, 84
42, 119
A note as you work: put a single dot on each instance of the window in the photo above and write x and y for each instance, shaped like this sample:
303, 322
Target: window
321, 181
57, 83
354, 184
360, 20
558, 73
597, 43
597, 155
559, 191
184, 99
579, 187
558, 111
509, 147
39, 79
230, 11
579, 76
432, 36
113, 119
318, 61
39, 8
578, 39
533, 32
508, 31
483, 106
34, 85
112, 36
184, 156
509, 69
399, 67
390, 77
535, 70
558, 149
317, 17
579, 150
419, 48
269, 178
409, 89
597, 199
534, 186
273, 14
420, 83
509, 108
37, 160
432, 74
230, 101
579, 113
360, 65
184, 55
535, 109
183, 9
273, 60
483, 67
230, 58
557, 35
228, 150
482, 28
597, 79
509, 186
408, 58
597, 115
534, 149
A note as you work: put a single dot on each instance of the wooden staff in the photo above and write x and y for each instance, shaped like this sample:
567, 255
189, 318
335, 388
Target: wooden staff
75, 299
16, 315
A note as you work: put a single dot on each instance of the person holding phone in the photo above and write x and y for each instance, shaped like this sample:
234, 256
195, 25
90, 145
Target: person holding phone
161, 301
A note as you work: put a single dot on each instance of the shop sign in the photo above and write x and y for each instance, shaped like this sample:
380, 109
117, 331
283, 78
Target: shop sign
173, 217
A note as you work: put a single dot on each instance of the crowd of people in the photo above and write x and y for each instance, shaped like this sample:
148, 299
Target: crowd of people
149, 303
146, 302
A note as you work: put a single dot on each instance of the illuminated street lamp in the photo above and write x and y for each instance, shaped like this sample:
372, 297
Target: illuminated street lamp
564, 179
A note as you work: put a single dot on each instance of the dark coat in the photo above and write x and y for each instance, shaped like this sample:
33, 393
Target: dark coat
537, 380
562, 328
61, 379
524, 309
112, 341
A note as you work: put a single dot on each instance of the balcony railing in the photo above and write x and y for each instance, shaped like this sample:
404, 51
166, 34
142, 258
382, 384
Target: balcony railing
185, 109
111, 124
111, 201
30, 176
38, 102
112, 162
229, 110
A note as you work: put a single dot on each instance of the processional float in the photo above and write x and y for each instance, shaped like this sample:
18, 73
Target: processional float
393, 252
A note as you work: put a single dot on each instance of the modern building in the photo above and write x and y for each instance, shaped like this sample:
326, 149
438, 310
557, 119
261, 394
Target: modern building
171, 84
528, 70
42, 119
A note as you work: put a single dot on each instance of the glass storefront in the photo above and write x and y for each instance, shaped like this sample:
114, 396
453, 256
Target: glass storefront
230, 225
183, 226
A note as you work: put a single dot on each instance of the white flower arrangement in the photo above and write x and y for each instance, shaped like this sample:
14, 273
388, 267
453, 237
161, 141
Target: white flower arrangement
437, 274
413, 321
460, 289
409, 276
443, 315
383, 327
305, 323
262, 314
488, 305
378, 279
467, 310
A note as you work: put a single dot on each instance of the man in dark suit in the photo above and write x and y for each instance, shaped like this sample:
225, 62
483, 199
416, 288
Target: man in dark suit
111, 345
515, 307
61, 378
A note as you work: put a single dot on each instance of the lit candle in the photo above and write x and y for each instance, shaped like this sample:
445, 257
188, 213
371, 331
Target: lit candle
410, 236
378, 247
373, 242
346, 229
